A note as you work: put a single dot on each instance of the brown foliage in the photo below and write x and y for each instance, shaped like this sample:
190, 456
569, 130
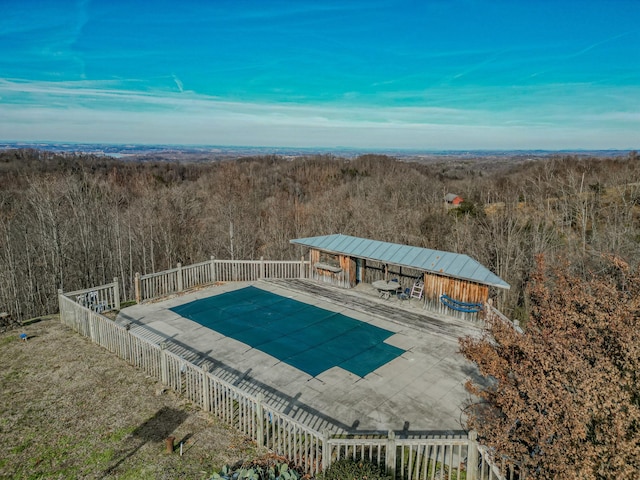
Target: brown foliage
562, 399
73, 220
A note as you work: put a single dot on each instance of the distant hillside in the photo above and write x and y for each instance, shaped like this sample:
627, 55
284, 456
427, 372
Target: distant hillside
68, 220
217, 152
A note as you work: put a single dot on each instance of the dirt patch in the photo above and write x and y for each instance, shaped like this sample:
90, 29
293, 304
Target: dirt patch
70, 409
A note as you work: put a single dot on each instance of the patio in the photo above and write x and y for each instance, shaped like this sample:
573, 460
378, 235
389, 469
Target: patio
420, 392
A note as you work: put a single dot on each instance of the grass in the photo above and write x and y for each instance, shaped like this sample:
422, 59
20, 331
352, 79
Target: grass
7, 339
70, 409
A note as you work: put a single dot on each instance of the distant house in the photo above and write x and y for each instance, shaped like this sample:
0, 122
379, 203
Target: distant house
451, 199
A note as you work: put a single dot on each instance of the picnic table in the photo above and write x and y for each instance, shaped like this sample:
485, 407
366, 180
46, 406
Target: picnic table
385, 289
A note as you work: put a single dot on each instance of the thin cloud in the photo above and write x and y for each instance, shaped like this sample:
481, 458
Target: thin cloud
600, 43
231, 128
225, 123
178, 84
491, 59
100, 98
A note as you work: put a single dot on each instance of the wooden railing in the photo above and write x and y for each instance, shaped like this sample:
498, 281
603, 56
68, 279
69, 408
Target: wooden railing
488, 468
167, 282
415, 458
99, 299
310, 450
493, 312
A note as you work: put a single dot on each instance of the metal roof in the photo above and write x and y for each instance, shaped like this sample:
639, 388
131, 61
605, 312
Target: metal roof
449, 264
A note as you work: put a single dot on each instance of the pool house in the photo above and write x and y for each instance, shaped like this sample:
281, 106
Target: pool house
450, 283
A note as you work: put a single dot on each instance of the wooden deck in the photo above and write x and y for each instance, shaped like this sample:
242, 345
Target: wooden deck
405, 312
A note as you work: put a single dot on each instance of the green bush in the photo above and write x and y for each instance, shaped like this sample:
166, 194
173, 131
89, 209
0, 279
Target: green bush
257, 471
347, 469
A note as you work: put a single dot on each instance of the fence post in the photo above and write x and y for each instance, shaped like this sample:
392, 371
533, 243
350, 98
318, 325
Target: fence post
92, 333
213, 268
472, 456
136, 286
179, 275
261, 274
302, 272
206, 387
60, 293
128, 356
116, 293
390, 457
260, 420
326, 450
164, 363
63, 316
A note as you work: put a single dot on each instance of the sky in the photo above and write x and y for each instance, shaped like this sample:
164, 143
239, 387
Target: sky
414, 74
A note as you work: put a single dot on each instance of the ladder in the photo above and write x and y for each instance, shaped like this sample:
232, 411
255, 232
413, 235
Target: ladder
416, 290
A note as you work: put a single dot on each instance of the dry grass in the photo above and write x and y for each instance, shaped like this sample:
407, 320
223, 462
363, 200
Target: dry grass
70, 409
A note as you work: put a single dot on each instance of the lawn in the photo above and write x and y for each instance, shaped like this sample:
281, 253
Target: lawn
70, 409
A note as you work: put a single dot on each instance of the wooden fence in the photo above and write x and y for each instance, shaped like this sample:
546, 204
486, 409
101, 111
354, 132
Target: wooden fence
155, 285
99, 299
491, 312
181, 278
312, 451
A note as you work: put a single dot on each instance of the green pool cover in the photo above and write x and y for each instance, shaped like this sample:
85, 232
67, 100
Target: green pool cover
304, 336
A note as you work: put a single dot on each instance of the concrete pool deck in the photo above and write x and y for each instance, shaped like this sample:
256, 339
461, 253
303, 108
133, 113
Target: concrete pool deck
420, 392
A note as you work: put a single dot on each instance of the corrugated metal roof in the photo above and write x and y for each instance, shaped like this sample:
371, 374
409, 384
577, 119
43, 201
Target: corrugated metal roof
444, 263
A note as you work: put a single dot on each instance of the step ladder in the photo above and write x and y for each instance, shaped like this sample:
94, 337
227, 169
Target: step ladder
416, 290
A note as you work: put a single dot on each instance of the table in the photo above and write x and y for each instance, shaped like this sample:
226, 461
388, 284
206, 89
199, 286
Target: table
385, 289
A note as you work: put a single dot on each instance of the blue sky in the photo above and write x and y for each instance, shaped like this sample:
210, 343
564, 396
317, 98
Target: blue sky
430, 74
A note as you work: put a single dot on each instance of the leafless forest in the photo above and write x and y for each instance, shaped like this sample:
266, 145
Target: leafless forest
72, 221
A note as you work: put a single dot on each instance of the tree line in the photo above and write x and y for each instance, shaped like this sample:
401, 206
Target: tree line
71, 221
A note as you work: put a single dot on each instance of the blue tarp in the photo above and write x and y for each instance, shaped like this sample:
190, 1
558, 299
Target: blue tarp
304, 336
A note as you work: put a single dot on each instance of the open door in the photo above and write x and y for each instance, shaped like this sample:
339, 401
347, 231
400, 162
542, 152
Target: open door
353, 272
359, 277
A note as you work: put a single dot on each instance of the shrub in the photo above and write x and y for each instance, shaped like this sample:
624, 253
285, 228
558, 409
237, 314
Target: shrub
266, 468
347, 469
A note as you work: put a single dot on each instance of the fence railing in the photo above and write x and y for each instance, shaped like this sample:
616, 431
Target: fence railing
493, 312
167, 282
312, 451
488, 468
99, 299
420, 459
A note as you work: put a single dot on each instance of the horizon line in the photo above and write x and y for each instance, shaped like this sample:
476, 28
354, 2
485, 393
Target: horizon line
4, 144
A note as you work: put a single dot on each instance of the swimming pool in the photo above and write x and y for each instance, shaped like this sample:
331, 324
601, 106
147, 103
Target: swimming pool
304, 336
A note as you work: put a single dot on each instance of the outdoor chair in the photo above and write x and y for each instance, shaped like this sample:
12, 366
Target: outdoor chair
406, 295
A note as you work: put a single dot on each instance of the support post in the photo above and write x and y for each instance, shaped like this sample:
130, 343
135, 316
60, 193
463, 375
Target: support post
326, 450
164, 364
92, 333
472, 456
60, 309
260, 420
136, 287
213, 269
116, 293
390, 457
261, 274
302, 272
206, 389
179, 277
169, 444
